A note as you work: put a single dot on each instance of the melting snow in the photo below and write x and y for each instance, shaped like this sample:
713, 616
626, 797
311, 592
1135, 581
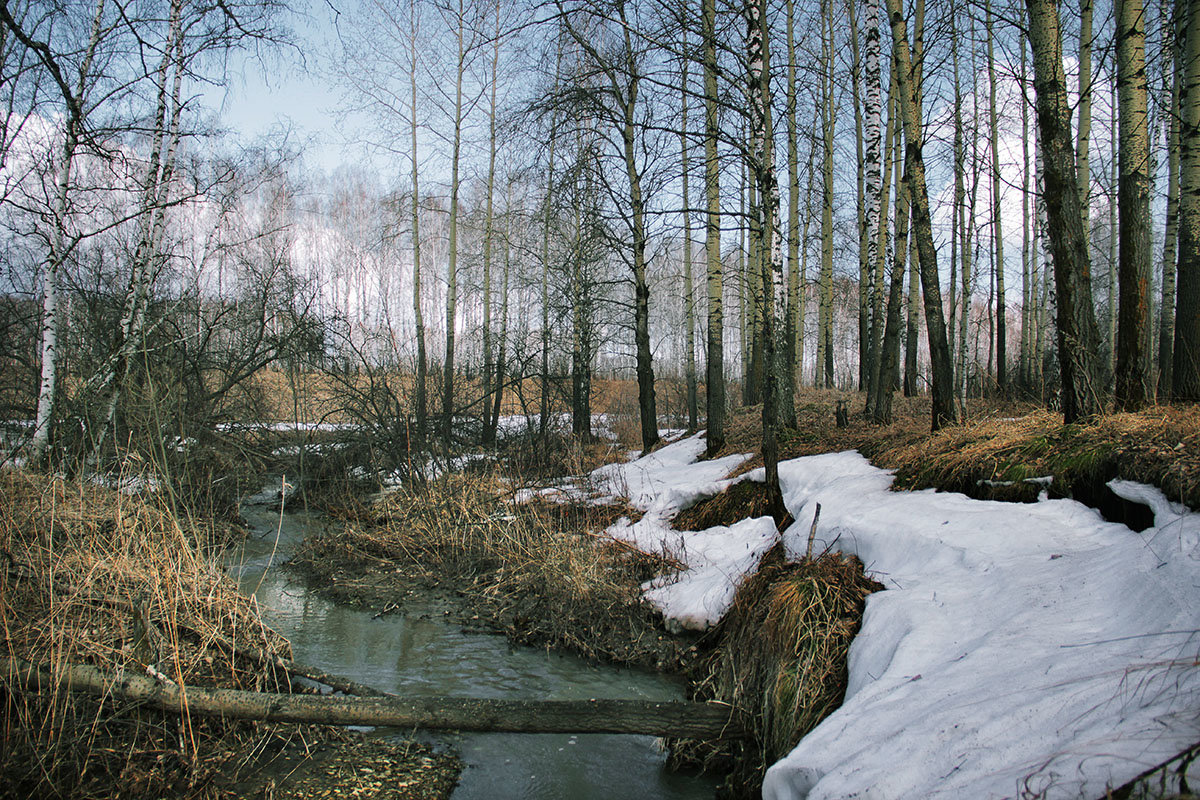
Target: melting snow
1019, 650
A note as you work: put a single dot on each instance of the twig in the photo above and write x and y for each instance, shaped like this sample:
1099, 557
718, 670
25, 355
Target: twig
812, 533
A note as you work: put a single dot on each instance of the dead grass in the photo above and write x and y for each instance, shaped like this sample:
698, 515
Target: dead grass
998, 443
540, 570
93, 576
1160, 446
781, 657
742, 500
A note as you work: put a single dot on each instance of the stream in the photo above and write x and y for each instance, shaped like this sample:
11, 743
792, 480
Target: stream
417, 653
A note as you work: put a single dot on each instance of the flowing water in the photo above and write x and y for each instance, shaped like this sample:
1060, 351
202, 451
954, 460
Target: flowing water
417, 653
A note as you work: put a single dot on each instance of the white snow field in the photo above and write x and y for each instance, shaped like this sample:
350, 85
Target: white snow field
1018, 651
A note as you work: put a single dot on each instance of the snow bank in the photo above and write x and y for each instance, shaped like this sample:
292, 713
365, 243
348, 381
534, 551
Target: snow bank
670, 478
717, 559
1019, 648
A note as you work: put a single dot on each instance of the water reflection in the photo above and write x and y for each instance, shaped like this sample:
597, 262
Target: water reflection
416, 654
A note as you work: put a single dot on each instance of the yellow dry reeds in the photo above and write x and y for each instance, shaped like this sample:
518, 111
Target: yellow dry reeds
781, 657
539, 569
91, 575
1160, 445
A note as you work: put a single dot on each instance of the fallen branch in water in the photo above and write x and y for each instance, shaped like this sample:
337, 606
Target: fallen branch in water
690, 720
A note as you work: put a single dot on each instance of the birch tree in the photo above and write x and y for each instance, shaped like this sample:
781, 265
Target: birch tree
715, 338
619, 105
689, 302
770, 261
874, 178
997, 215
935, 325
824, 367
1133, 333
74, 75
1078, 339
1170, 92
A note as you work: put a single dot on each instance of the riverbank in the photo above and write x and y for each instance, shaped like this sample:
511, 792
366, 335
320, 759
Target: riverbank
1002, 451
541, 566
463, 548
86, 569
121, 583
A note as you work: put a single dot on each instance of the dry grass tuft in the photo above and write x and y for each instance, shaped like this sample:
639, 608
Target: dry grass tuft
782, 653
540, 570
90, 575
742, 500
1159, 446
999, 443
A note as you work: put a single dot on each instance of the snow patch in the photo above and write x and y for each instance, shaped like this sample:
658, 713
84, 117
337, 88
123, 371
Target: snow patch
1019, 649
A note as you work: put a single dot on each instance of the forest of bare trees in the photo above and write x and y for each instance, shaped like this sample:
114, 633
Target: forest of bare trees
717, 202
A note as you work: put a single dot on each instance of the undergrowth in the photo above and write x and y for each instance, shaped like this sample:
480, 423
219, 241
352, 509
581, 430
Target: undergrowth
781, 658
1160, 446
540, 570
92, 576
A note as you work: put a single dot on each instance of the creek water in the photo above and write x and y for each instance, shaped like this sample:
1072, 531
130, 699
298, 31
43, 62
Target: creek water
417, 653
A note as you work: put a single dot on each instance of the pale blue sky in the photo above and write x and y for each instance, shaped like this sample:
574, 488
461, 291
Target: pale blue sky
283, 89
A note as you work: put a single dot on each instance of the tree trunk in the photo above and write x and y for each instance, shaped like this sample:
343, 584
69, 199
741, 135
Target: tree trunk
544, 404
753, 389
422, 410
1186, 378
715, 343
956, 231
912, 327
156, 182
689, 299
770, 260
452, 243
935, 324
997, 227
889, 354
825, 309
73, 128
489, 433
694, 720
1133, 333
792, 328
1083, 135
880, 268
1166, 325
874, 187
1027, 285
1077, 335
860, 204
502, 352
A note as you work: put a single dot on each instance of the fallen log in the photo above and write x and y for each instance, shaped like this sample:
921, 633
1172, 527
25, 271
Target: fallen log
679, 719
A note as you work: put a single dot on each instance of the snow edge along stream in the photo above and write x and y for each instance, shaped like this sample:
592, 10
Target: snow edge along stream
1020, 650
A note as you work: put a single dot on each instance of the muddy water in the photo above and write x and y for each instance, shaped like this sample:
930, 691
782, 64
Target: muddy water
417, 653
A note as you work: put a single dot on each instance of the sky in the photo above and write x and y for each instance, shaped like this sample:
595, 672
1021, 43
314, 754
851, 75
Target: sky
282, 89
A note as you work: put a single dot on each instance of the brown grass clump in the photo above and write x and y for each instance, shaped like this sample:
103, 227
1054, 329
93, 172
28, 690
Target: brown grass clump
540, 570
93, 576
782, 654
1000, 443
1159, 446
743, 500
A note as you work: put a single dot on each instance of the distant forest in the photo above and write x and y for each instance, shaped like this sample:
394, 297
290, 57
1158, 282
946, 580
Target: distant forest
956, 197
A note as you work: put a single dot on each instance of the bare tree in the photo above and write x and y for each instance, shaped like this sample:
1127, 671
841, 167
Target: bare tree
1077, 335
1133, 335
935, 325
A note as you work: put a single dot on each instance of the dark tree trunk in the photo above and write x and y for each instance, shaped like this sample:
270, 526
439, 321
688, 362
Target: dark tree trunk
935, 322
1078, 338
